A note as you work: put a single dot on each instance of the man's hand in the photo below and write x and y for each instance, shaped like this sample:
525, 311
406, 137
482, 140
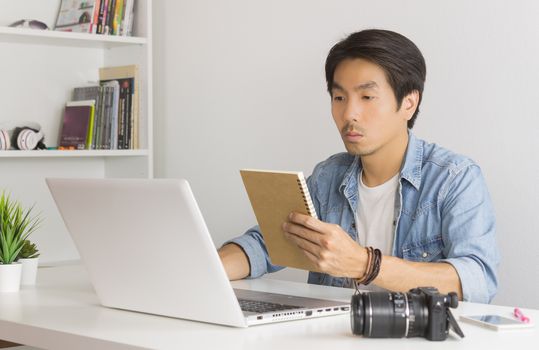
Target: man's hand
331, 249
334, 252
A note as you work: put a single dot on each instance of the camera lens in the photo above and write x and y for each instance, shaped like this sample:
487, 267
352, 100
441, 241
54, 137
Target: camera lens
357, 317
389, 315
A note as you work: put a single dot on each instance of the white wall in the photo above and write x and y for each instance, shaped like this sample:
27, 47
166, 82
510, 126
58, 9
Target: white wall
240, 83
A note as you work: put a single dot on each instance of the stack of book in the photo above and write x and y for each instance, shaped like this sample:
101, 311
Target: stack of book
109, 119
112, 17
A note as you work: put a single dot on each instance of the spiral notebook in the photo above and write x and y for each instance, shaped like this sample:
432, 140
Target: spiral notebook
274, 195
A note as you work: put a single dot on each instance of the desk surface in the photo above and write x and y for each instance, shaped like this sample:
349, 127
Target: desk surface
62, 312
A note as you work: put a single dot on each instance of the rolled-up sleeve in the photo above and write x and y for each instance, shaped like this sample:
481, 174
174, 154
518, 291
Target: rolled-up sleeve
469, 233
254, 247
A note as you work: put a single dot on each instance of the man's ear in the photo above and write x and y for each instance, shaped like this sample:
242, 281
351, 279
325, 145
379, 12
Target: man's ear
409, 104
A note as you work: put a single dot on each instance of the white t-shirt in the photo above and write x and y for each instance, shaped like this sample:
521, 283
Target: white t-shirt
375, 216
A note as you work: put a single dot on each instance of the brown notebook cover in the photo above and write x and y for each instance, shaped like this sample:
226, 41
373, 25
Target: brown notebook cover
274, 195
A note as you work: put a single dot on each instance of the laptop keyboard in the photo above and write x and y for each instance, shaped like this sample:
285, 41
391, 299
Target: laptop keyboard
263, 306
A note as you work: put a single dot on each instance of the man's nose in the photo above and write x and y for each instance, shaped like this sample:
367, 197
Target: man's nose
352, 111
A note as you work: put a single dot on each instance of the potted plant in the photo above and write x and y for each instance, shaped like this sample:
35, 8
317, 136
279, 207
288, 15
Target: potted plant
16, 224
28, 257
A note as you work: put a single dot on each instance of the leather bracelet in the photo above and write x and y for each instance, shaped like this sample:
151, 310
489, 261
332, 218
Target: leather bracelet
368, 267
374, 262
377, 262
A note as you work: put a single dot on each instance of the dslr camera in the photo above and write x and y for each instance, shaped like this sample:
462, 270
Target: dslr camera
422, 312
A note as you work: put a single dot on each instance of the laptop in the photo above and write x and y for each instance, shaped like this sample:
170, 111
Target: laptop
146, 247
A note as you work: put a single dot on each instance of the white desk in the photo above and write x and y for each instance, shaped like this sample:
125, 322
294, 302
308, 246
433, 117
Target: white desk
62, 312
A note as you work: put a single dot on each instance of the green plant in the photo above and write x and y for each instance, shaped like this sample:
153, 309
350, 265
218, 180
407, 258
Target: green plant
28, 251
16, 224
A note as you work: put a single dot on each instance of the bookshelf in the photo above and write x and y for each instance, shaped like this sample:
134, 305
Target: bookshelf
41, 68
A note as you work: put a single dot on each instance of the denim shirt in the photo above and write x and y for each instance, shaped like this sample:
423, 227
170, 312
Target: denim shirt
443, 212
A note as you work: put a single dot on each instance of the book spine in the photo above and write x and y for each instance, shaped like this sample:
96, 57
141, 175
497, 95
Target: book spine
118, 120
105, 131
128, 116
110, 17
90, 135
101, 19
121, 118
306, 196
95, 17
100, 126
121, 26
117, 17
136, 116
97, 114
108, 116
114, 119
127, 16
132, 116
131, 20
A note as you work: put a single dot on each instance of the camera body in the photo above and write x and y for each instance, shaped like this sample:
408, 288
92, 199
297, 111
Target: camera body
438, 306
422, 312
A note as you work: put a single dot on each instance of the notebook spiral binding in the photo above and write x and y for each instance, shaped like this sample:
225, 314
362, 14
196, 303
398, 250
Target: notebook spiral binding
306, 196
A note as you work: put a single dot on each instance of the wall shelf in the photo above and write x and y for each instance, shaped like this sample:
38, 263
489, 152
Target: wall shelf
50, 37
75, 153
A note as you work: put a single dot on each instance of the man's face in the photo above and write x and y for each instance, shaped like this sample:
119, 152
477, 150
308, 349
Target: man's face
364, 107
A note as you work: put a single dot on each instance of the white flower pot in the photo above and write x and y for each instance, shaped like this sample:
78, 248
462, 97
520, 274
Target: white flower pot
10, 277
29, 271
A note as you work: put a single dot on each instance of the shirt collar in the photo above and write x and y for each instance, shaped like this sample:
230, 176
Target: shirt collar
413, 161
410, 170
351, 178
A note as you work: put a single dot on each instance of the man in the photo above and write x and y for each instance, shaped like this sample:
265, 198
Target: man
426, 209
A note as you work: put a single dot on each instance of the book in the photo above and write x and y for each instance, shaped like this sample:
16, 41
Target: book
104, 124
112, 119
95, 20
110, 16
77, 125
128, 121
101, 16
76, 16
92, 92
118, 15
126, 26
126, 97
273, 196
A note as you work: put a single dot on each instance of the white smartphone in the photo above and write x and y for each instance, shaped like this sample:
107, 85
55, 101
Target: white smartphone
496, 322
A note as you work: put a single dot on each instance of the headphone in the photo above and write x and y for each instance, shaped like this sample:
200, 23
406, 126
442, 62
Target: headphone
5, 142
22, 138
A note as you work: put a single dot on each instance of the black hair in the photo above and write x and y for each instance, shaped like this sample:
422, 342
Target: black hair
398, 56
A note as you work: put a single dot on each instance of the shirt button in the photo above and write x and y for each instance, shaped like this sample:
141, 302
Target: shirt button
353, 225
425, 254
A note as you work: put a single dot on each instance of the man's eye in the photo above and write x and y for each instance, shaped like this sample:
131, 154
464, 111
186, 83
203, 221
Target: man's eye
338, 98
368, 98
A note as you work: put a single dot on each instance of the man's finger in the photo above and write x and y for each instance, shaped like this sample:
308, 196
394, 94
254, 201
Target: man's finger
305, 220
310, 222
313, 258
302, 231
305, 245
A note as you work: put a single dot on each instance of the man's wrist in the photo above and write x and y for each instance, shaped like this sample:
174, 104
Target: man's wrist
361, 263
372, 268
